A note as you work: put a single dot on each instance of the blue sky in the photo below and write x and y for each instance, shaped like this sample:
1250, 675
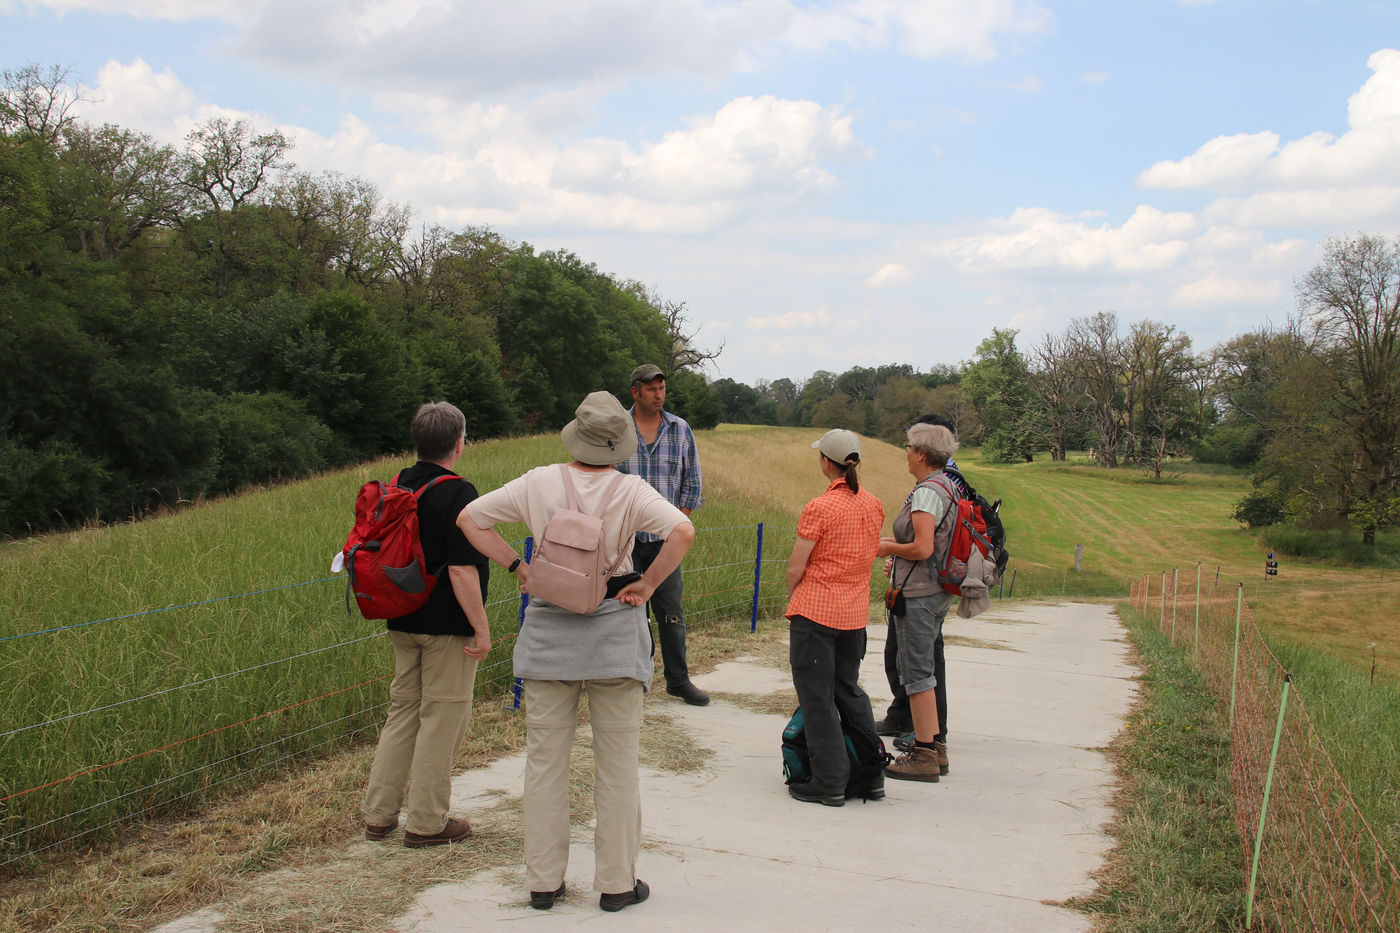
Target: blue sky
824, 184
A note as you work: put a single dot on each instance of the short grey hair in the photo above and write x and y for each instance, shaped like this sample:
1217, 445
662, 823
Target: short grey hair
437, 427
935, 443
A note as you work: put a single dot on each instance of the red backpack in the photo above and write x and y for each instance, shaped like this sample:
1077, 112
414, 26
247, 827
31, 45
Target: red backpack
969, 531
384, 553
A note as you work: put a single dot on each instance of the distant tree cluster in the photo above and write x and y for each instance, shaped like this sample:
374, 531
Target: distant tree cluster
183, 321
1312, 409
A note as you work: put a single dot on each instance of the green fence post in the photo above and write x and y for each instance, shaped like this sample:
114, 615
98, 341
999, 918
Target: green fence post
1235, 674
1264, 806
1197, 646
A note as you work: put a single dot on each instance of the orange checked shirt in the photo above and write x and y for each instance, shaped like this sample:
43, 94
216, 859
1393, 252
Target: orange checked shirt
835, 587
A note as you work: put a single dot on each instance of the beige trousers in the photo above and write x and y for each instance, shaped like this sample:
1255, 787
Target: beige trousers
551, 718
430, 707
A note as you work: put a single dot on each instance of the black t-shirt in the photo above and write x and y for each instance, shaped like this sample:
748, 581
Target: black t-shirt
444, 546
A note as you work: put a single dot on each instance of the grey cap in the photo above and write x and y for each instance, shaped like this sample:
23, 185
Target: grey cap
838, 444
602, 432
646, 373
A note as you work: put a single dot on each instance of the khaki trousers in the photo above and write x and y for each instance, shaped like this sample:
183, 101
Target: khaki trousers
430, 707
551, 718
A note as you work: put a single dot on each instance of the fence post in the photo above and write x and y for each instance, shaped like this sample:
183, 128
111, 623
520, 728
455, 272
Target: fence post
1175, 571
1162, 616
1011, 592
1235, 673
757, 571
515, 690
1264, 806
1197, 646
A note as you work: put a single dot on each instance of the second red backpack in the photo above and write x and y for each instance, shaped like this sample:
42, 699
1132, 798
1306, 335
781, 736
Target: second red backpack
969, 531
384, 552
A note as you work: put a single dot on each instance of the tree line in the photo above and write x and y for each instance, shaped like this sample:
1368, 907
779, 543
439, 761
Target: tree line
1310, 408
182, 321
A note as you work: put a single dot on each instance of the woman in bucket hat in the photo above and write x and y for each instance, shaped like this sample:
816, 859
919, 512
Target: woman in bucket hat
560, 654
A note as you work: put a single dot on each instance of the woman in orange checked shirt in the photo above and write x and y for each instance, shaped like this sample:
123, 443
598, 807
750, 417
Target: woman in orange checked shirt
828, 582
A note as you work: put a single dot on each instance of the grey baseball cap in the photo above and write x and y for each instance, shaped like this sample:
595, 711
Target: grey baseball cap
838, 444
646, 373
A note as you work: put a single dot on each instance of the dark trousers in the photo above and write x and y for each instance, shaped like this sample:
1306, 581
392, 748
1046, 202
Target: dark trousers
899, 706
825, 667
665, 608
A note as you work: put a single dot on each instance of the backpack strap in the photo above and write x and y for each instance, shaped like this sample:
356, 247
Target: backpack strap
949, 514
602, 507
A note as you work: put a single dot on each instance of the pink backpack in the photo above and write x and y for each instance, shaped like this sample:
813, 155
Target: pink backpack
567, 569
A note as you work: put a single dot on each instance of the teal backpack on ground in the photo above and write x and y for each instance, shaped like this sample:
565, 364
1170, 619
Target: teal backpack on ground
867, 761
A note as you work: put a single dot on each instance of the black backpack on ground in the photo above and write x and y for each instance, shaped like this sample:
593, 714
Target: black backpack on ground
867, 761
996, 532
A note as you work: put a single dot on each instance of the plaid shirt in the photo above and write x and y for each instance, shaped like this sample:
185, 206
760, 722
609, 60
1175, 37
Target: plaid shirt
670, 464
835, 588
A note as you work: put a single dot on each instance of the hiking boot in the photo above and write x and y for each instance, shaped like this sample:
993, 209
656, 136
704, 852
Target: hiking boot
543, 900
639, 893
893, 724
917, 764
690, 693
942, 749
375, 833
809, 794
904, 742
455, 831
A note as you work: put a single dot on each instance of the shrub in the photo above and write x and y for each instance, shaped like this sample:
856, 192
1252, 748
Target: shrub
1260, 509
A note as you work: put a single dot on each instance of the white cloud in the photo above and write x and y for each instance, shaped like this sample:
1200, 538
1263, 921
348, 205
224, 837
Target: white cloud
1366, 155
978, 32
1217, 290
476, 49
1036, 238
790, 320
1094, 77
502, 165
891, 273
174, 10
1325, 208
1031, 84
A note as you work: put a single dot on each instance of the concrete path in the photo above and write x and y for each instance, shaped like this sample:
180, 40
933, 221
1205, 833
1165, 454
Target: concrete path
1014, 828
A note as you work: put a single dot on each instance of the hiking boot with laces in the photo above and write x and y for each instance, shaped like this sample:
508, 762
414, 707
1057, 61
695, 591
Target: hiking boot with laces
917, 764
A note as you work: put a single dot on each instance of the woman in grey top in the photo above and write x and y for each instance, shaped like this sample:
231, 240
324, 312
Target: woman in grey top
920, 538
560, 654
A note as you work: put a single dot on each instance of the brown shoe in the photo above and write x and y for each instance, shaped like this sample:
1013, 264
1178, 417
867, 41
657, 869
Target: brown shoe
376, 833
455, 831
917, 764
942, 749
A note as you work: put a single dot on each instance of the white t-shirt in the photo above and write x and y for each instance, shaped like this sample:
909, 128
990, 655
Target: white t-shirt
554, 643
537, 495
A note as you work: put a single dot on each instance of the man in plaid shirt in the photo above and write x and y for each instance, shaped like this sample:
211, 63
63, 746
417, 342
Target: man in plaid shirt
666, 458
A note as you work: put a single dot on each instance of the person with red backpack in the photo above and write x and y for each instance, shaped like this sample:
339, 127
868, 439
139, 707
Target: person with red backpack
919, 603
436, 649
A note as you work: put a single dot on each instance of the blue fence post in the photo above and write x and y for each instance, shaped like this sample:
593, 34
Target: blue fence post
757, 573
515, 689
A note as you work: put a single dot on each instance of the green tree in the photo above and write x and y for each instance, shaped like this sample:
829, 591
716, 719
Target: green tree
736, 400
996, 382
1353, 299
354, 376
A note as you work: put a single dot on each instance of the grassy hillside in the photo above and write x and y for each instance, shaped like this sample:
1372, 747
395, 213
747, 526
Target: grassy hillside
119, 711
